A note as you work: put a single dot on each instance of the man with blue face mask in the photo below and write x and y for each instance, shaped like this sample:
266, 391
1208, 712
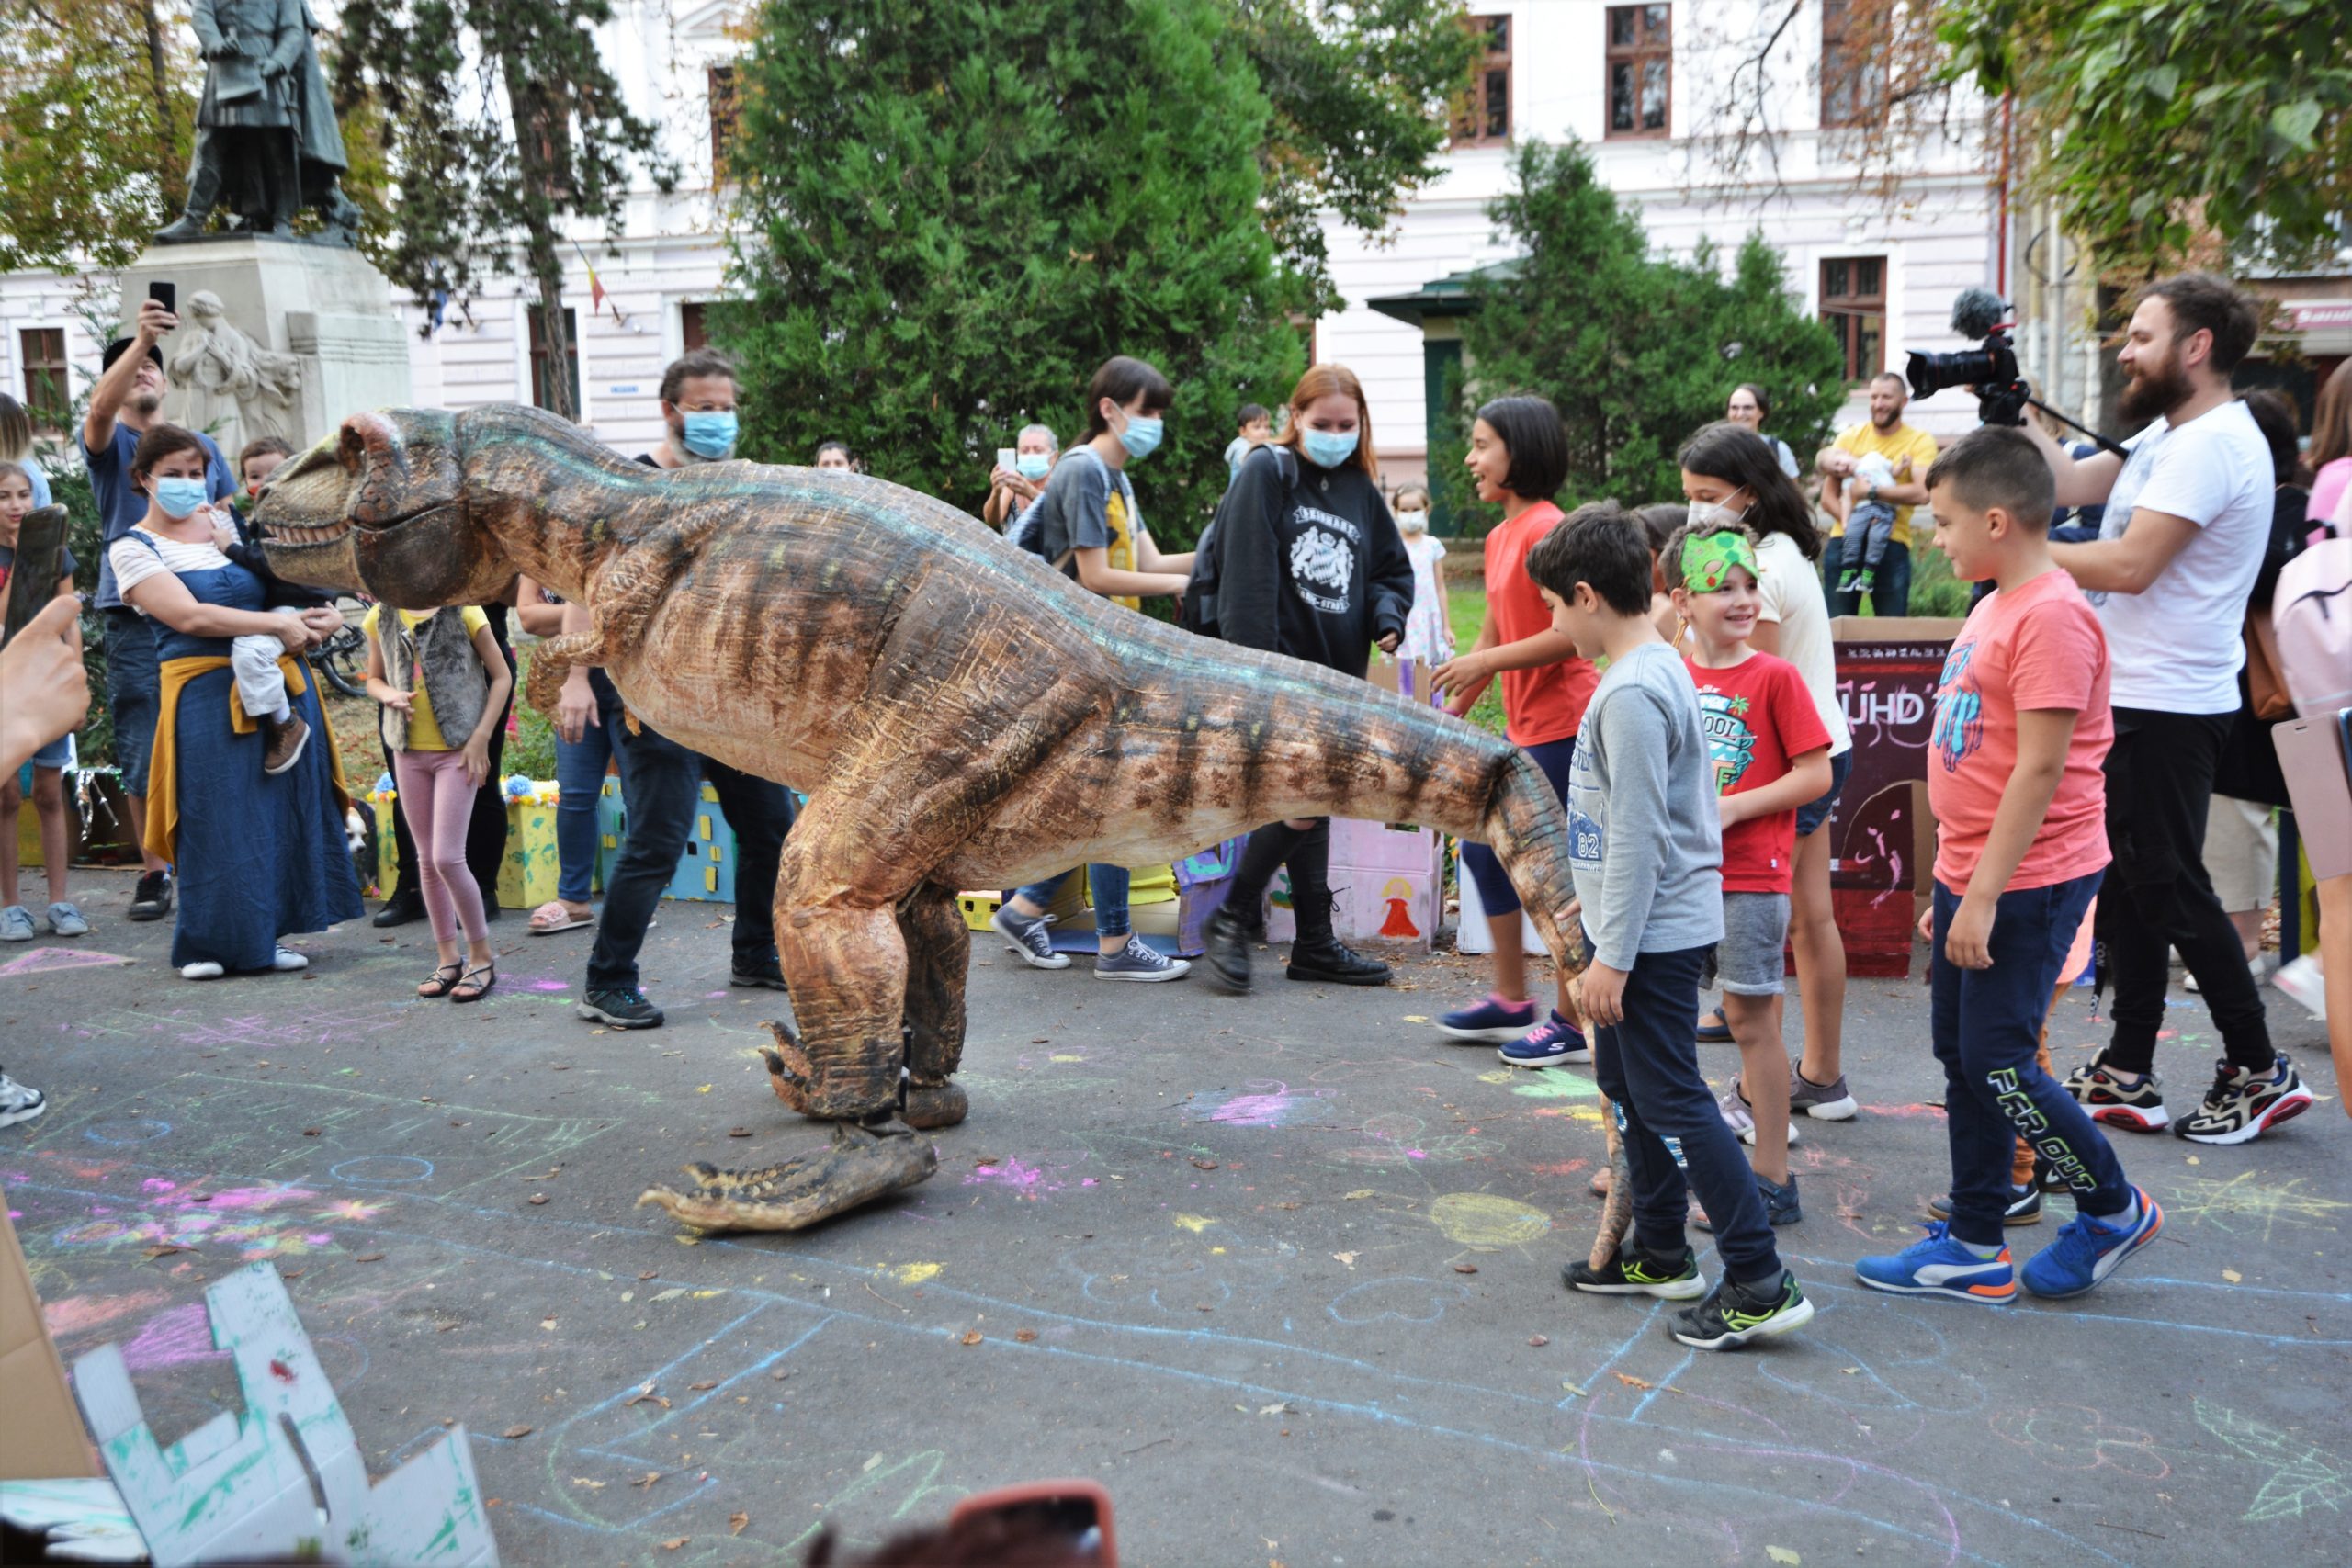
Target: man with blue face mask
1012, 490
128, 398
699, 411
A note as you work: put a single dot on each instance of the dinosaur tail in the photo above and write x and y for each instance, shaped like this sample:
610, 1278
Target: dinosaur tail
1528, 830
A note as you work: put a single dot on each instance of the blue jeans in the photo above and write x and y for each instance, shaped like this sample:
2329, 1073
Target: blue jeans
660, 781
1987, 1024
579, 776
1648, 1068
134, 692
1891, 596
1109, 884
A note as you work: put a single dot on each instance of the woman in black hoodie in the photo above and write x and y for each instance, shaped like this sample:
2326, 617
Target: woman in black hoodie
1310, 564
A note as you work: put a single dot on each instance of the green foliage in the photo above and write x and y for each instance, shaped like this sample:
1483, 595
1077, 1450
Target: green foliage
492, 121
954, 212
97, 109
1635, 350
2155, 119
1934, 590
1361, 96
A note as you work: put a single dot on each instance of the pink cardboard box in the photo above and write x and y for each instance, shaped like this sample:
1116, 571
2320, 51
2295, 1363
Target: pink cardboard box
1380, 846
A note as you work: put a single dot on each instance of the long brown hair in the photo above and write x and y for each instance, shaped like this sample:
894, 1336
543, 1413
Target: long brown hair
1322, 381
2332, 421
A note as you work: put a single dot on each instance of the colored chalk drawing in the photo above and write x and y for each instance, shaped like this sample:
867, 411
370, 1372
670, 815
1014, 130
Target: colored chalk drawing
2244, 1206
1484, 1219
2302, 1475
47, 960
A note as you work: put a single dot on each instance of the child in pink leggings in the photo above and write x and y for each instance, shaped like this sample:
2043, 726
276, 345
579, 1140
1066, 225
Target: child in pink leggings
439, 674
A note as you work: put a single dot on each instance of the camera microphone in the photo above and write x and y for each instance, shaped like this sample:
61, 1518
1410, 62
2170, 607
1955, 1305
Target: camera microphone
1976, 311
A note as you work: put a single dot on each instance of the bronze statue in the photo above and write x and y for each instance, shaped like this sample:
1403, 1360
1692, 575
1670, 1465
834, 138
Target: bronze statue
267, 142
961, 716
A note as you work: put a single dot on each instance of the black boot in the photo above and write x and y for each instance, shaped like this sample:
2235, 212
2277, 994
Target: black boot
1318, 953
1326, 958
402, 909
1227, 942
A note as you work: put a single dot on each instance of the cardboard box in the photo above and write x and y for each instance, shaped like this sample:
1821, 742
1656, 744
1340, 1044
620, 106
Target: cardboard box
1883, 840
706, 868
41, 1437
526, 877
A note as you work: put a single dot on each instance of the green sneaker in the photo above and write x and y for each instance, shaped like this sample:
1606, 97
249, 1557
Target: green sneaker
1634, 1273
1736, 1313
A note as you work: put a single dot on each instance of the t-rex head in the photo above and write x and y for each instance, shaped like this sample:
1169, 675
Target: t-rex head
380, 508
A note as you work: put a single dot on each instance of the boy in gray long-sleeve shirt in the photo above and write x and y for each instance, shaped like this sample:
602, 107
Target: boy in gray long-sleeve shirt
1646, 842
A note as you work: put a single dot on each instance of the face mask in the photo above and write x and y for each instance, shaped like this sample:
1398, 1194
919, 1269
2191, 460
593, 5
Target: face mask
1036, 465
1141, 437
1328, 448
178, 498
710, 436
1715, 514
1413, 521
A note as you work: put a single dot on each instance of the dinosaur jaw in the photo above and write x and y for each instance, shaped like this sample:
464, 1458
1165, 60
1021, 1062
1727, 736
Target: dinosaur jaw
861, 1167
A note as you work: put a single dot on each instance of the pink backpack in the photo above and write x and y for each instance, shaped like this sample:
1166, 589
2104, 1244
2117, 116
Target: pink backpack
2311, 621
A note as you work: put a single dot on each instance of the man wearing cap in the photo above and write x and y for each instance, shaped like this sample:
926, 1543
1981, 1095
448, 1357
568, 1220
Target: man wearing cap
123, 405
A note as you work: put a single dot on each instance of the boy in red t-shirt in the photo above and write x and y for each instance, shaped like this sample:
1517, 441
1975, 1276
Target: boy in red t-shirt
2022, 725
1771, 754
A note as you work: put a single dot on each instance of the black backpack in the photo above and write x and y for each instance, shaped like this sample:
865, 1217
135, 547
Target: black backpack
1198, 611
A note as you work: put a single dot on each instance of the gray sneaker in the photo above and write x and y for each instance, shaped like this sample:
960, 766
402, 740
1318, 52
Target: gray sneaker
66, 921
1027, 937
15, 923
1823, 1102
19, 1102
1137, 962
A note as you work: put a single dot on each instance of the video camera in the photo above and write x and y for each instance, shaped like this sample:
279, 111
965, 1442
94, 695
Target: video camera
1991, 367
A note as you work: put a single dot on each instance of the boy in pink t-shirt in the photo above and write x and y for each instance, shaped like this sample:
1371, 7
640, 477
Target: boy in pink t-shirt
2022, 725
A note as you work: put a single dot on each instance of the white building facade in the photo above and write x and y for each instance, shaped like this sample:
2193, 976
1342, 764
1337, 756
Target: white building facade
1640, 85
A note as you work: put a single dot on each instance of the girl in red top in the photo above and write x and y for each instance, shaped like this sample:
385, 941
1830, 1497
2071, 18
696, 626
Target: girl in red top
1519, 459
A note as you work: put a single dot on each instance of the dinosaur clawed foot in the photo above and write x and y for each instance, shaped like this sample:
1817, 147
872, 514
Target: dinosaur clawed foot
862, 1164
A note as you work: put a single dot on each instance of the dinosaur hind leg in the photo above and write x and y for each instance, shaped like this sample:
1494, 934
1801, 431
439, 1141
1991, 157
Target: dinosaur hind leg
939, 950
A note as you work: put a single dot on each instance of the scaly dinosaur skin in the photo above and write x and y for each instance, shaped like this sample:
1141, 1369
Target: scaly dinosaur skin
960, 715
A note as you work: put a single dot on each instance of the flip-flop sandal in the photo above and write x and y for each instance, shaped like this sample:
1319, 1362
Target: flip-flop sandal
445, 979
458, 994
553, 917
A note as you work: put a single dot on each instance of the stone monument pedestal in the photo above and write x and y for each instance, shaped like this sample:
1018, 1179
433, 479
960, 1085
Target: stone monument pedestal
326, 306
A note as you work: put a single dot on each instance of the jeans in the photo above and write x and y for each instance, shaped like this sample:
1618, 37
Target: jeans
1891, 596
134, 692
1648, 1068
437, 799
485, 826
660, 781
579, 776
2159, 790
1109, 884
1987, 1024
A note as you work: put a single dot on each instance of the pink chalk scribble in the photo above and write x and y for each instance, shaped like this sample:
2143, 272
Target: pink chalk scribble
1270, 1103
79, 1314
1023, 1180
173, 1339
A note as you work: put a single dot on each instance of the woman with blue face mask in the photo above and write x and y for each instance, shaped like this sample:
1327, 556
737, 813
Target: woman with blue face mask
1309, 564
1086, 523
1011, 490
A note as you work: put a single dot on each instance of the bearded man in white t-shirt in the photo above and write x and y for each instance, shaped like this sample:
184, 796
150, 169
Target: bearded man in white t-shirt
2187, 516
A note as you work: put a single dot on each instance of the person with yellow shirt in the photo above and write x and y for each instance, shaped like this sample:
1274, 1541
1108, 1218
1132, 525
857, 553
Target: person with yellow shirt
1907, 451
440, 674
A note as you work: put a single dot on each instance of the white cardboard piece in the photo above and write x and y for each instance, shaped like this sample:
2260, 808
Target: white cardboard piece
285, 1476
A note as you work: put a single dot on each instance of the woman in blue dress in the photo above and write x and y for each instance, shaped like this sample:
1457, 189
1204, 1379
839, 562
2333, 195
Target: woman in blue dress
259, 856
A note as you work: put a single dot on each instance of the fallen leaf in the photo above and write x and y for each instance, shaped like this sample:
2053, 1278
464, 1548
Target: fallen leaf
1538, 1340
781, 1373
591, 1485
1359, 1193
1466, 1267
1783, 1556
1041, 1040
702, 1089
548, 1323
206, 1197
1025, 1336
2194, 1160
971, 1337
647, 1479
707, 1383
2233, 1276
739, 1132
645, 1395
1200, 1164
675, 1542
1415, 1017
1281, 1407
736, 1521
1631, 1381
370, 1257
165, 1251
516, 1431
1574, 1389
1850, 1372
290, 1273
310, 1132
538, 1198
647, 1275
672, 1294
1348, 1257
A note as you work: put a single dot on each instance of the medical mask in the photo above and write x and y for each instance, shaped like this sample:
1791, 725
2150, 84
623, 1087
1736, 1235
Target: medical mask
178, 498
1715, 514
1328, 448
1413, 521
1141, 437
710, 436
1034, 464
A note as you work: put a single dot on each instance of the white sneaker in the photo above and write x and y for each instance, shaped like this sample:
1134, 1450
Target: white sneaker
19, 1102
2301, 981
202, 969
287, 959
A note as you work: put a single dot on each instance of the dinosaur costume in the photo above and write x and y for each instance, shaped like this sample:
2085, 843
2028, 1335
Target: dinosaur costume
960, 714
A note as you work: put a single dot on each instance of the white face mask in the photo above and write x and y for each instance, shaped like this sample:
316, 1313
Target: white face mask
1715, 514
1413, 521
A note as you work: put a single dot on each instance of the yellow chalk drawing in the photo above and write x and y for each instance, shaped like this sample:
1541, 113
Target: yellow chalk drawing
914, 1273
1482, 1219
1196, 1223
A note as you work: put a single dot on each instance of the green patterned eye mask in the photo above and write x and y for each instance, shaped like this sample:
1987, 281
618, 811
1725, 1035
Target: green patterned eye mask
1707, 560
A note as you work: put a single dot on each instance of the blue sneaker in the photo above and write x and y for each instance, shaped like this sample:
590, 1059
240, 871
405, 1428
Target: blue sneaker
2086, 1251
1489, 1022
1939, 1266
1551, 1043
